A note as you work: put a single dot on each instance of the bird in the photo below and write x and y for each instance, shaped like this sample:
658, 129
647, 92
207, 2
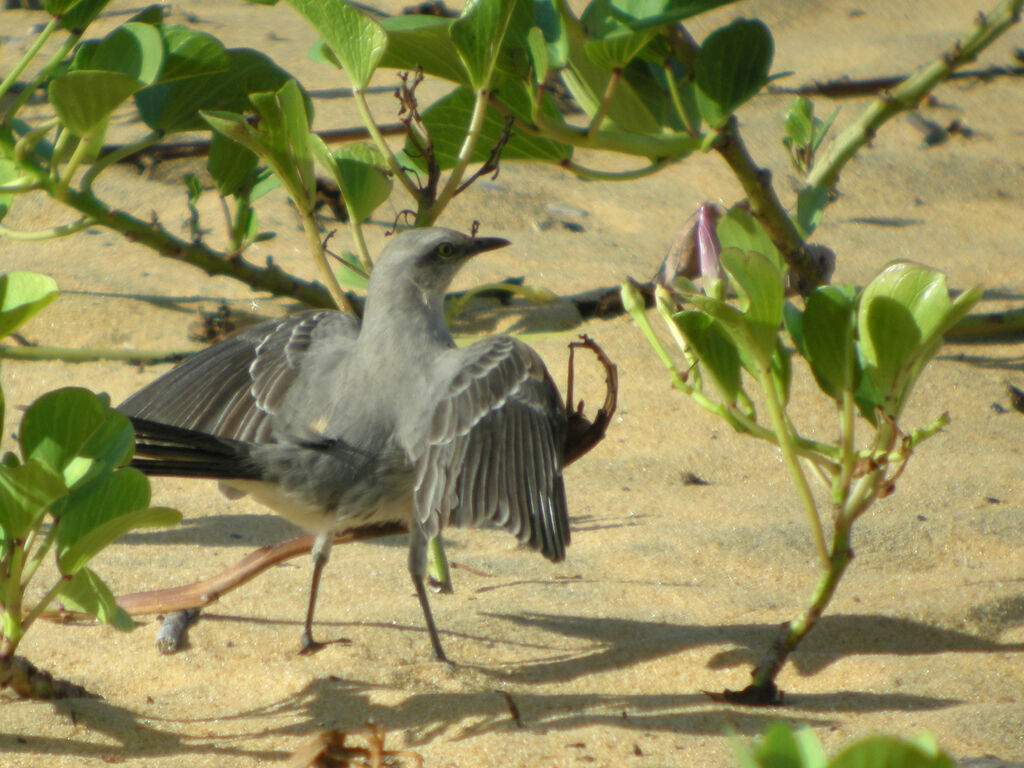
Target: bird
336, 422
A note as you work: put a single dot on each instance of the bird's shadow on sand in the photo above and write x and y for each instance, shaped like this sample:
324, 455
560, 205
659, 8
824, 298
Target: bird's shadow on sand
517, 700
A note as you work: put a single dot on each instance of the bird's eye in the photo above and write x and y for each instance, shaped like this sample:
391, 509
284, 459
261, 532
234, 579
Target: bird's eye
446, 250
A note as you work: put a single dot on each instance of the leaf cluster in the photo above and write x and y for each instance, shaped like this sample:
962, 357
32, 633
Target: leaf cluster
69, 492
783, 747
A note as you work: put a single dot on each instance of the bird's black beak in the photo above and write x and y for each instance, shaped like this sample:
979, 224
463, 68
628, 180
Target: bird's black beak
481, 244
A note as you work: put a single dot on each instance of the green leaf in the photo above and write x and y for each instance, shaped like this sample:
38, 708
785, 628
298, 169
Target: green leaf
888, 752
81, 14
759, 287
538, 50
810, 204
715, 352
231, 165
628, 109
828, 328
84, 99
798, 122
350, 273
281, 137
739, 229
133, 49
448, 118
26, 491
94, 541
732, 66
76, 433
478, 35
87, 592
552, 26
618, 49
425, 42
356, 40
174, 106
777, 748
191, 54
358, 170
23, 294
901, 318
9, 171
92, 504
644, 14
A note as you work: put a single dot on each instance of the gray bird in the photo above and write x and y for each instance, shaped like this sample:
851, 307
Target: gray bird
336, 423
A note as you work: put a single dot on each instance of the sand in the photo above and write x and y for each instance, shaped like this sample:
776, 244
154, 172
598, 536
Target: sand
669, 589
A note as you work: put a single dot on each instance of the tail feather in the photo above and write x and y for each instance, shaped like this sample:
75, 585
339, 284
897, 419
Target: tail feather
168, 450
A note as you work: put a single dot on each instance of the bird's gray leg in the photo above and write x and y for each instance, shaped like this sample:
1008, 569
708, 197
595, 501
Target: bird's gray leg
418, 569
321, 554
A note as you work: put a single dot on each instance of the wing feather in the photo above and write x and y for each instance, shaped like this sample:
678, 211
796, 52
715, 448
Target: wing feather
234, 388
493, 451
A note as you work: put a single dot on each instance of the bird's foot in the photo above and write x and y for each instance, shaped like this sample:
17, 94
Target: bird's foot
308, 646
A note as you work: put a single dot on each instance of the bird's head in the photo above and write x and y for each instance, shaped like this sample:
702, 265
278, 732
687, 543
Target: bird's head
428, 258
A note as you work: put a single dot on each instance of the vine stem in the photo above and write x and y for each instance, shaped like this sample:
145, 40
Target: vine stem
908, 94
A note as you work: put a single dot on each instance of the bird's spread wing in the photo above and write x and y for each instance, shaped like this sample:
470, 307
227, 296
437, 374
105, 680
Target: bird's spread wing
493, 454
233, 388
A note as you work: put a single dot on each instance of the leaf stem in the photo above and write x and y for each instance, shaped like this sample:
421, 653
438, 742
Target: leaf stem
378, 139
41, 75
108, 159
25, 60
789, 456
469, 141
606, 100
50, 233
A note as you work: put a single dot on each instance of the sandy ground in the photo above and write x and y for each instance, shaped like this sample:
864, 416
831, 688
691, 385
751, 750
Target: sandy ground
669, 589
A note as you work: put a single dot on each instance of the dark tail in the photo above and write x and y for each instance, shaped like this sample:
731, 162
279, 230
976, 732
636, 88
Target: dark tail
163, 449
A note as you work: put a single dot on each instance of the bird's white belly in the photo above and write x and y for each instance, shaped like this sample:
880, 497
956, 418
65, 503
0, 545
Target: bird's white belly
296, 507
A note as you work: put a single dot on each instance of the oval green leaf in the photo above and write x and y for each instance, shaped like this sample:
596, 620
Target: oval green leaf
83, 100
23, 294
732, 66
357, 41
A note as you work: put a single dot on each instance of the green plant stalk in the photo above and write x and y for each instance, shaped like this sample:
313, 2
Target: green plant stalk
362, 250
39, 607
848, 454
26, 59
763, 675
39, 553
41, 75
785, 436
309, 225
90, 355
677, 100
606, 100
50, 233
908, 94
12, 628
77, 157
378, 138
110, 158
425, 218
